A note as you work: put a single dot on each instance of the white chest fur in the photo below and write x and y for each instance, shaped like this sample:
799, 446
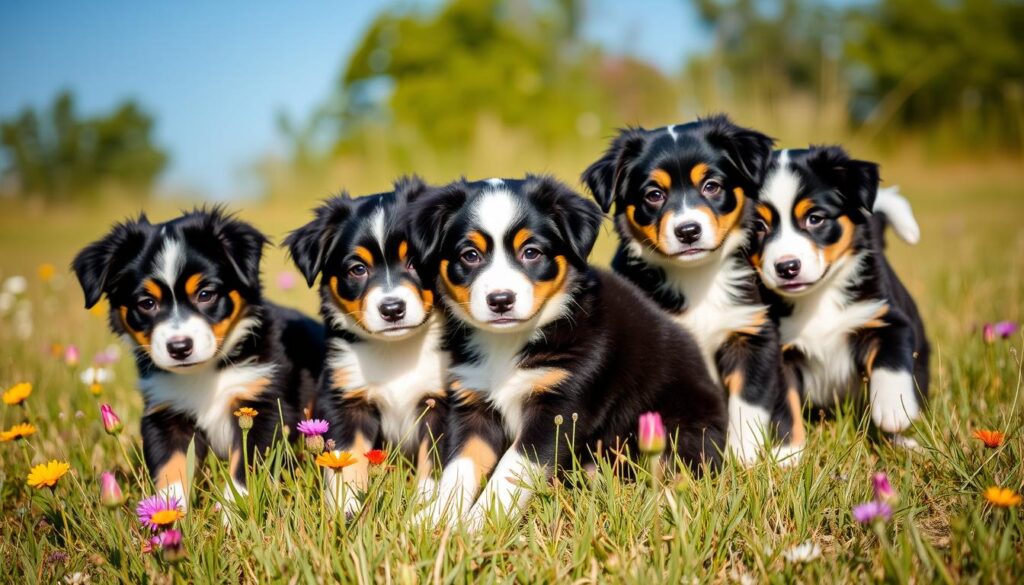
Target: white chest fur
820, 328
209, 396
395, 375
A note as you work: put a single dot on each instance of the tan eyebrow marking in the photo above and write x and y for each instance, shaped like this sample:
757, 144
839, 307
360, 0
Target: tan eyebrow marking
521, 237
802, 207
697, 173
152, 288
403, 250
662, 178
478, 240
192, 284
364, 254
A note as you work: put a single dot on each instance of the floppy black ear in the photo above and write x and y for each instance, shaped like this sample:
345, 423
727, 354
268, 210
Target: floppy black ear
98, 263
578, 219
428, 219
749, 150
309, 244
410, 188
242, 243
856, 180
604, 178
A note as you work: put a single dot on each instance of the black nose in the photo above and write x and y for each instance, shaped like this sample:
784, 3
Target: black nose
179, 347
501, 301
392, 309
787, 269
689, 232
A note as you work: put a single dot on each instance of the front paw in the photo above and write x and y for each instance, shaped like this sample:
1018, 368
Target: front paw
788, 455
746, 449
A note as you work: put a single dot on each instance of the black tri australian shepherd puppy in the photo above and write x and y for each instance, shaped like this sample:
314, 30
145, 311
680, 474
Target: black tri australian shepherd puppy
384, 377
843, 314
535, 333
683, 200
186, 295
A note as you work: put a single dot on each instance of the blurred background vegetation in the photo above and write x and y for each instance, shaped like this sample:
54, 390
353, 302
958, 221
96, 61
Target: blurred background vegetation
500, 87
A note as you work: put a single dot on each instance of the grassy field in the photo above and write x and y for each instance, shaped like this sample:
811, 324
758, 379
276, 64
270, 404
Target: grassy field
742, 525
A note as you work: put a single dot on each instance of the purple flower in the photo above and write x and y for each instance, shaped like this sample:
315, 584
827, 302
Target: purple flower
286, 280
171, 548
1005, 329
313, 426
883, 489
872, 511
159, 511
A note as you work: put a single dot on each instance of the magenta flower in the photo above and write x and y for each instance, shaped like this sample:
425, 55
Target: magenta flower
883, 489
111, 422
171, 547
1005, 329
651, 437
71, 355
110, 491
160, 511
872, 511
286, 280
314, 426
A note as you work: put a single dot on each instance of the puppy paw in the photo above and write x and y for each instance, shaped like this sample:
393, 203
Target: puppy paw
788, 455
906, 443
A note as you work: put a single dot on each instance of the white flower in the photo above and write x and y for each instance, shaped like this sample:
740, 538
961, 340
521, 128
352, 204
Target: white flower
804, 552
76, 578
16, 285
6, 302
94, 375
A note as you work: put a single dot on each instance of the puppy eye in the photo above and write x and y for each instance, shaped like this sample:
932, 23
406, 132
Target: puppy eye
146, 304
206, 296
816, 219
357, 270
712, 189
654, 196
531, 253
409, 266
760, 226
471, 257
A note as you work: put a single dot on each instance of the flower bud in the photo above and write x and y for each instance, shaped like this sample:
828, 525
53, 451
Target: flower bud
111, 422
171, 547
651, 438
110, 492
315, 444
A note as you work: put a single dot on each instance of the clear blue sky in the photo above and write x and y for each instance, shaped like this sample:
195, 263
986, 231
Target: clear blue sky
216, 73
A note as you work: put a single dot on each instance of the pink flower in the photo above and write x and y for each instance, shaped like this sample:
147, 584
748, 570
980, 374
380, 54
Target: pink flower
883, 489
156, 512
110, 491
171, 547
872, 511
111, 422
313, 426
286, 280
71, 355
651, 437
1005, 329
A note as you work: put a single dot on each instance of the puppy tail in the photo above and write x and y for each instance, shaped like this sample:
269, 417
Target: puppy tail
898, 214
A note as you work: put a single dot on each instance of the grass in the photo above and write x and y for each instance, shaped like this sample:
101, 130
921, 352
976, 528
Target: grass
735, 526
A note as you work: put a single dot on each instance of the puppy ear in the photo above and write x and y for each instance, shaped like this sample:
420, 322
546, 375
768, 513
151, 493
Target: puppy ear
409, 189
308, 245
427, 221
97, 265
749, 150
855, 180
604, 178
578, 220
242, 243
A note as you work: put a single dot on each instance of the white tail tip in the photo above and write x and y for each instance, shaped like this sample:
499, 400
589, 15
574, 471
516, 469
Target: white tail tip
898, 213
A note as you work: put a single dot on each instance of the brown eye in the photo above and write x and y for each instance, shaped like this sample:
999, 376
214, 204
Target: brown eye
531, 253
471, 257
816, 219
357, 270
654, 196
760, 226
712, 189
146, 304
206, 296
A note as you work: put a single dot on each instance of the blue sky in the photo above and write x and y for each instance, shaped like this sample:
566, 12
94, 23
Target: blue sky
216, 73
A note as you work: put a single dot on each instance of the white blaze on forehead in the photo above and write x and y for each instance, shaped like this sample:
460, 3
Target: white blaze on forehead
170, 261
495, 182
377, 227
495, 211
781, 187
671, 129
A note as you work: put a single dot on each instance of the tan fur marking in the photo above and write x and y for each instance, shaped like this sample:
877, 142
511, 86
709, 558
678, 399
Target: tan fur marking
403, 251
364, 254
733, 382
424, 461
548, 381
801, 208
221, 329
478, 240
876, 320
662, 178
153, 289
426, 297
732, 219
797, 434
174, 470
139, 337
480, 453
834, 251
697, 173
252, 390
869, 360
647, 234
754, 326
520, 238
459, 293
765, 213
192, 284
351, 308
544, 290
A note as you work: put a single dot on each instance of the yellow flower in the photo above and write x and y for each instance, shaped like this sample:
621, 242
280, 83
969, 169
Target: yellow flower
17, 432
47, 272
335, 459
246, 411
1002, 497
165, 517
47, 474
96, 388
18, 393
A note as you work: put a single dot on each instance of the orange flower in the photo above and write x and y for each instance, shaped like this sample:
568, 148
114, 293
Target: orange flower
1002, 497
376, 456
335, 459
47, 474
246, 411
17, 432
992, 439
46, 272
17, 394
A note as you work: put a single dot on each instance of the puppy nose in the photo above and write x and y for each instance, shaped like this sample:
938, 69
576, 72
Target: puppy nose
501, 301
689, 232
392, 309
179, 347
787, 268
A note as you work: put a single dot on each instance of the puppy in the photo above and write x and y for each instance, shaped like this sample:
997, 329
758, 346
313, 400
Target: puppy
384, 378
186, 295
843, 314
535, 333
683, 203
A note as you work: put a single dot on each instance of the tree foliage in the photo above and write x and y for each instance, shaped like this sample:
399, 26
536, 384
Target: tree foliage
60, 155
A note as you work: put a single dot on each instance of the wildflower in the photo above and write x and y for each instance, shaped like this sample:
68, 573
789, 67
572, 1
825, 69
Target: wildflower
1000, 330
111, 422
652, 433
19, 431
559, 419
286, 280
56, 350
57, 557
47, 271
158, 511
312, 427
335, 459
47, 474
804, 552
171, 547
245, 416
72, 355
15, 285
1002, 497
17, 393
77, 578
96, 375
150, 544
108, 356
376, 456
329, 444
110, 491
991, 439
883, 489
870, 512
